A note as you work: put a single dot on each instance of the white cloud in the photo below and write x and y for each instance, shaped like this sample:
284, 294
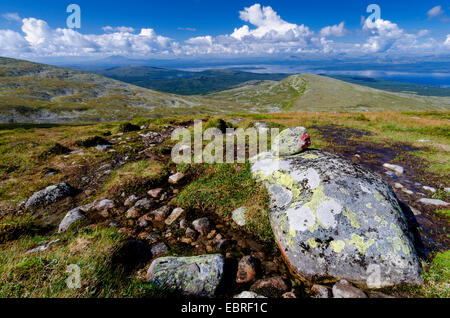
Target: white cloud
447, 42
186, 29
334, 30
12, 17
263, 33
123, 29
435, 12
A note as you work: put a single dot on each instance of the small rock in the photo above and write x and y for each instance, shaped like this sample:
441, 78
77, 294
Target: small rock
174, 216
143, 223
343, 289
248, 295
288, 295
104, 205
42, 247
433, 202
247, 268
430, 189
132, 213
271, 287
196, 276
398, 186
397, 169
239, 215
159, 249
223, 244
143, 205
203, 226
70, 218
113, 224
131, 200
292, 141
407, 191
414, 210
103, 147
161, 213
320, 291
183, 224
174, 179
155, 193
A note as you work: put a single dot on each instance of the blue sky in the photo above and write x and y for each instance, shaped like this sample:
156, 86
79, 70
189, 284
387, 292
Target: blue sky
161, 29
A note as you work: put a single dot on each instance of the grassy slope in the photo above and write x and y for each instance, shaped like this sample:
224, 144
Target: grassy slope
31, 92
184, 82
308, 92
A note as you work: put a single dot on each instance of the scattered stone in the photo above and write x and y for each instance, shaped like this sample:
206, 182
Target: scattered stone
433, 202
105, 204
292, 141
131, 200
114, 224
70, 218
398, 186
379, 295
174, 216
248, 295
105, 167
397, 169
143, 205
159, 249
161, 213
239, 215
103, 147
343, 289
42, 247
247, 269
203, 226
196, 276
288, 295
223, 244
49, 195
414, 210
155, 193
391, 174
407, 191
320, 291
176, 178
143, 223
183, 224
271, 287
132, 213
430, 189
333, 218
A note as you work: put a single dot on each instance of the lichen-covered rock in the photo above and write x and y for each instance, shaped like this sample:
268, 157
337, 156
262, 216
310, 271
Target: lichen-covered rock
70, 218
292, 141
335, 220
49, 195
196, 276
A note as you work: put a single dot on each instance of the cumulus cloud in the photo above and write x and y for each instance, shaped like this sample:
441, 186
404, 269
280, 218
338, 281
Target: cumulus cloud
337, 30
263, 33
435, 12
186, 29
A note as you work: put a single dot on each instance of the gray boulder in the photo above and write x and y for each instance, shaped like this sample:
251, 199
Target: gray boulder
49, 195
335, 220
70, 218
196, 276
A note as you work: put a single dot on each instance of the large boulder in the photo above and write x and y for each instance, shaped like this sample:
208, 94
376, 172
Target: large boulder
196, 276
335, 220
49, 195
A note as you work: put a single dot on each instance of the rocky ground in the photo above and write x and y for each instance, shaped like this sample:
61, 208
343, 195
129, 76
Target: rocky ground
179, 247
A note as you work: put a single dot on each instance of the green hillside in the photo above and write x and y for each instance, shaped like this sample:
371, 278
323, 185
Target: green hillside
185, 82
31, 92
306, 92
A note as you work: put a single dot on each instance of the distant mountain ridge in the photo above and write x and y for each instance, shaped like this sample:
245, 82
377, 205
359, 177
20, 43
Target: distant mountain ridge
39, 93
184, 82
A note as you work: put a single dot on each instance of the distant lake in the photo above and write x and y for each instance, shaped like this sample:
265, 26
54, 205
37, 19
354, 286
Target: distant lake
427, 78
